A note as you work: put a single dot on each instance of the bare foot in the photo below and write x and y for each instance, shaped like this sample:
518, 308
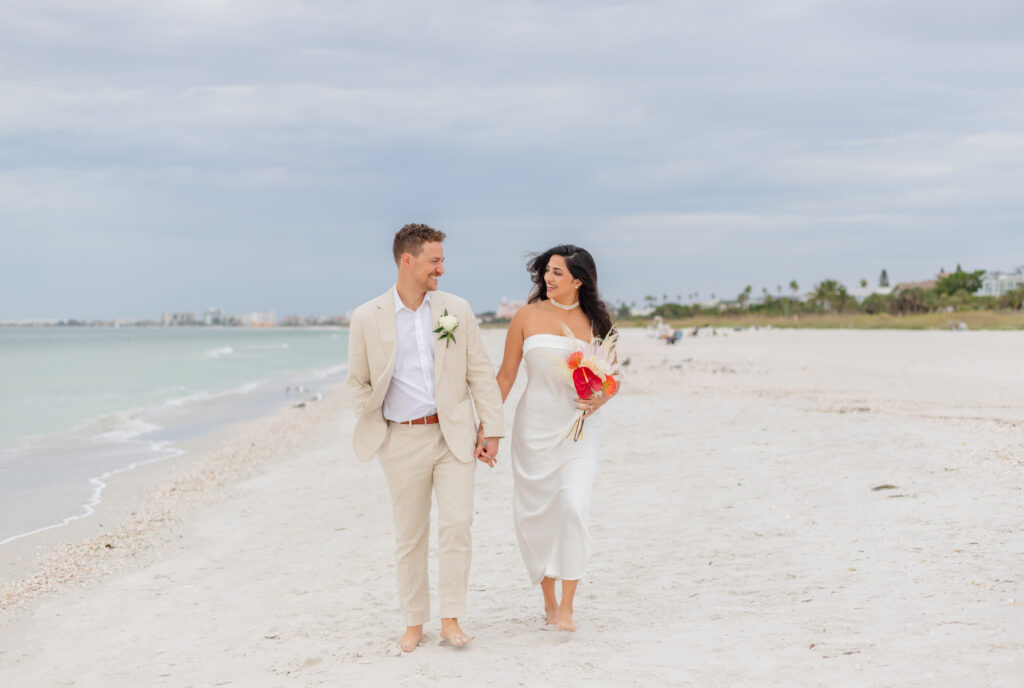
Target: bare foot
411, 638
453, 634
552, 614
565, 622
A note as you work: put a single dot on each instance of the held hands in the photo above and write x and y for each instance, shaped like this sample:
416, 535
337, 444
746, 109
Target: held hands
486, 448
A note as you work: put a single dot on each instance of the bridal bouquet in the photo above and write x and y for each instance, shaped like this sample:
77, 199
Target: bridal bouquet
592, 368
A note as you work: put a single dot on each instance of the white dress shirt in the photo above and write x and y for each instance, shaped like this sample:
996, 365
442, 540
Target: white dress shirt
411, 392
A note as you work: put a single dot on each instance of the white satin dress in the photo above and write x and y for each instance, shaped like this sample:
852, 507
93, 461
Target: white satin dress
554, 476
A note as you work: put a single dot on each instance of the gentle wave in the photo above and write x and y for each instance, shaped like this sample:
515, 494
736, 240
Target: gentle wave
136, 397
219, 352
247, 388
129, 430
99, 483
283, 346
328, 372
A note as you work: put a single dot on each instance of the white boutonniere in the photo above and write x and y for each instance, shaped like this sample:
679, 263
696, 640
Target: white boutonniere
446, 326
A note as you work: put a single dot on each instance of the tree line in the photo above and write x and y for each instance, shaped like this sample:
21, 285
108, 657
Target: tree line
955, 291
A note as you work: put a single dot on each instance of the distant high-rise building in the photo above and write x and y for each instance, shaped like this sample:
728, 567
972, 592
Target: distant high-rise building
259, 319
178, 319
507, 309
213, 316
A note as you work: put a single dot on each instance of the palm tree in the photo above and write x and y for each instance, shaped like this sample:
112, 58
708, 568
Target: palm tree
744, 296
825, 293
794, 287
863, 283
842, 297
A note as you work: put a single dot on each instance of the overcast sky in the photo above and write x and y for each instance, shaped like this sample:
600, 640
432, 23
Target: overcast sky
170, 156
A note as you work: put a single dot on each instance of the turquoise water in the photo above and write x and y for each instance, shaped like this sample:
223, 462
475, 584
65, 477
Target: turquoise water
79, 404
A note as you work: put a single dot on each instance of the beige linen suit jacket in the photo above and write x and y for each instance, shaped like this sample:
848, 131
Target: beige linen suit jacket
460, 369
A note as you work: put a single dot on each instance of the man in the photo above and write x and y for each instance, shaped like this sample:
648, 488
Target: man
415, 355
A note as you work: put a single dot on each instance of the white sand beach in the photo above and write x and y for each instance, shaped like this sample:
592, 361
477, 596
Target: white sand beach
772, 508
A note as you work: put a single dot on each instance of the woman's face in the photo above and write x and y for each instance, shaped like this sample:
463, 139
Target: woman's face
561, 285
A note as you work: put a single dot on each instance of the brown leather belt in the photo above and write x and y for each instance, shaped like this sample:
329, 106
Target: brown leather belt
425, 420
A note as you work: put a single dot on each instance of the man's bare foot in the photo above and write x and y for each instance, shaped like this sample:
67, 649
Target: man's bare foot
411, 638
453, 634
565, 622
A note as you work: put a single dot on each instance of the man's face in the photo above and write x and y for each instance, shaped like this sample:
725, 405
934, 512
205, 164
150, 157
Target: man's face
428, 266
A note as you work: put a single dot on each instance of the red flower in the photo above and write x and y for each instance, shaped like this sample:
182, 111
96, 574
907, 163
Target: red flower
574, 359
586, 382
609, 386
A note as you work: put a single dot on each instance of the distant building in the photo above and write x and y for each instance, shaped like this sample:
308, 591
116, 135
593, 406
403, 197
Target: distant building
997, 283
507, 309
861, 293
259, 319
313, 321
924, 284
178, 319
213, 316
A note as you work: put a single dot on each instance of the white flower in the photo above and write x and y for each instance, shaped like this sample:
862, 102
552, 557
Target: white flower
446, 326
448, 323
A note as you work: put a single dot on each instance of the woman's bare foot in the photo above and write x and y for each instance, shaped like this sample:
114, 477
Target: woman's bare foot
453, 634
411, 638
565, 622
547, 586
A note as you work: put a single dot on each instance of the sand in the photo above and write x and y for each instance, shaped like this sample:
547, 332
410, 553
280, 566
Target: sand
772, 508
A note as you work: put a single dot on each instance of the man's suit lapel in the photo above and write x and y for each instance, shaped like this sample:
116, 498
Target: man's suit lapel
386, 328
436, 310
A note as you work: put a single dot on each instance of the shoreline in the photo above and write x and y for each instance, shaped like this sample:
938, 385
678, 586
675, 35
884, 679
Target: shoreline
772, 508
137, 503
65, 435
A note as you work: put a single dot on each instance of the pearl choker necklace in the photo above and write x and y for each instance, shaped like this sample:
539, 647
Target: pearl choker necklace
564, 308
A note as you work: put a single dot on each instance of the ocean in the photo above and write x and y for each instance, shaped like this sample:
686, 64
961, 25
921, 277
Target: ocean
79, 404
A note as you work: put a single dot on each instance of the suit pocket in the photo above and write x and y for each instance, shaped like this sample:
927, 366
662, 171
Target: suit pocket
383, 452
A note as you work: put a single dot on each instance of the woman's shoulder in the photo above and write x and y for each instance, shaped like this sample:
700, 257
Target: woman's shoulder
527, 312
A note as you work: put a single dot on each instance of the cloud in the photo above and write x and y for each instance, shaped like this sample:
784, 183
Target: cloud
734, 141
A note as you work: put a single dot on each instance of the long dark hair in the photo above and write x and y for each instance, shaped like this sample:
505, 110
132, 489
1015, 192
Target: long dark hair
582, 267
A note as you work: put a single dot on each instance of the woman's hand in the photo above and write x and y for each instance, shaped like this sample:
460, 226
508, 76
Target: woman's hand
589, 406
486, 448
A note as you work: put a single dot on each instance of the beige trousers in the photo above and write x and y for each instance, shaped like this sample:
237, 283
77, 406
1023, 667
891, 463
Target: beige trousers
416, 460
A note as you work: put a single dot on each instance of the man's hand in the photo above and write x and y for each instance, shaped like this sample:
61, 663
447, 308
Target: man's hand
486, 448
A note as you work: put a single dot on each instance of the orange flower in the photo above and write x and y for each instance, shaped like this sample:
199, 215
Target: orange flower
574, 359
609, 386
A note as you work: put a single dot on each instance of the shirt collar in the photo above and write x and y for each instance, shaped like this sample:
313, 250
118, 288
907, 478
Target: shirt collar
401, 306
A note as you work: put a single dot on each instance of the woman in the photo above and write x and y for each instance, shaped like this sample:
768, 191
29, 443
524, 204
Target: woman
553, 474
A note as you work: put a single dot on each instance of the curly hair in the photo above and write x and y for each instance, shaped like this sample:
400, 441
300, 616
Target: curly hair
410, 239
582, 267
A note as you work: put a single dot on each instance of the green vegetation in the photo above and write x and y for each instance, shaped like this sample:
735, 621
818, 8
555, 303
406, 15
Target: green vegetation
950, 301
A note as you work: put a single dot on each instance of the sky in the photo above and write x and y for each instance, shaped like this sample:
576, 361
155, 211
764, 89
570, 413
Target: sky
172, 156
